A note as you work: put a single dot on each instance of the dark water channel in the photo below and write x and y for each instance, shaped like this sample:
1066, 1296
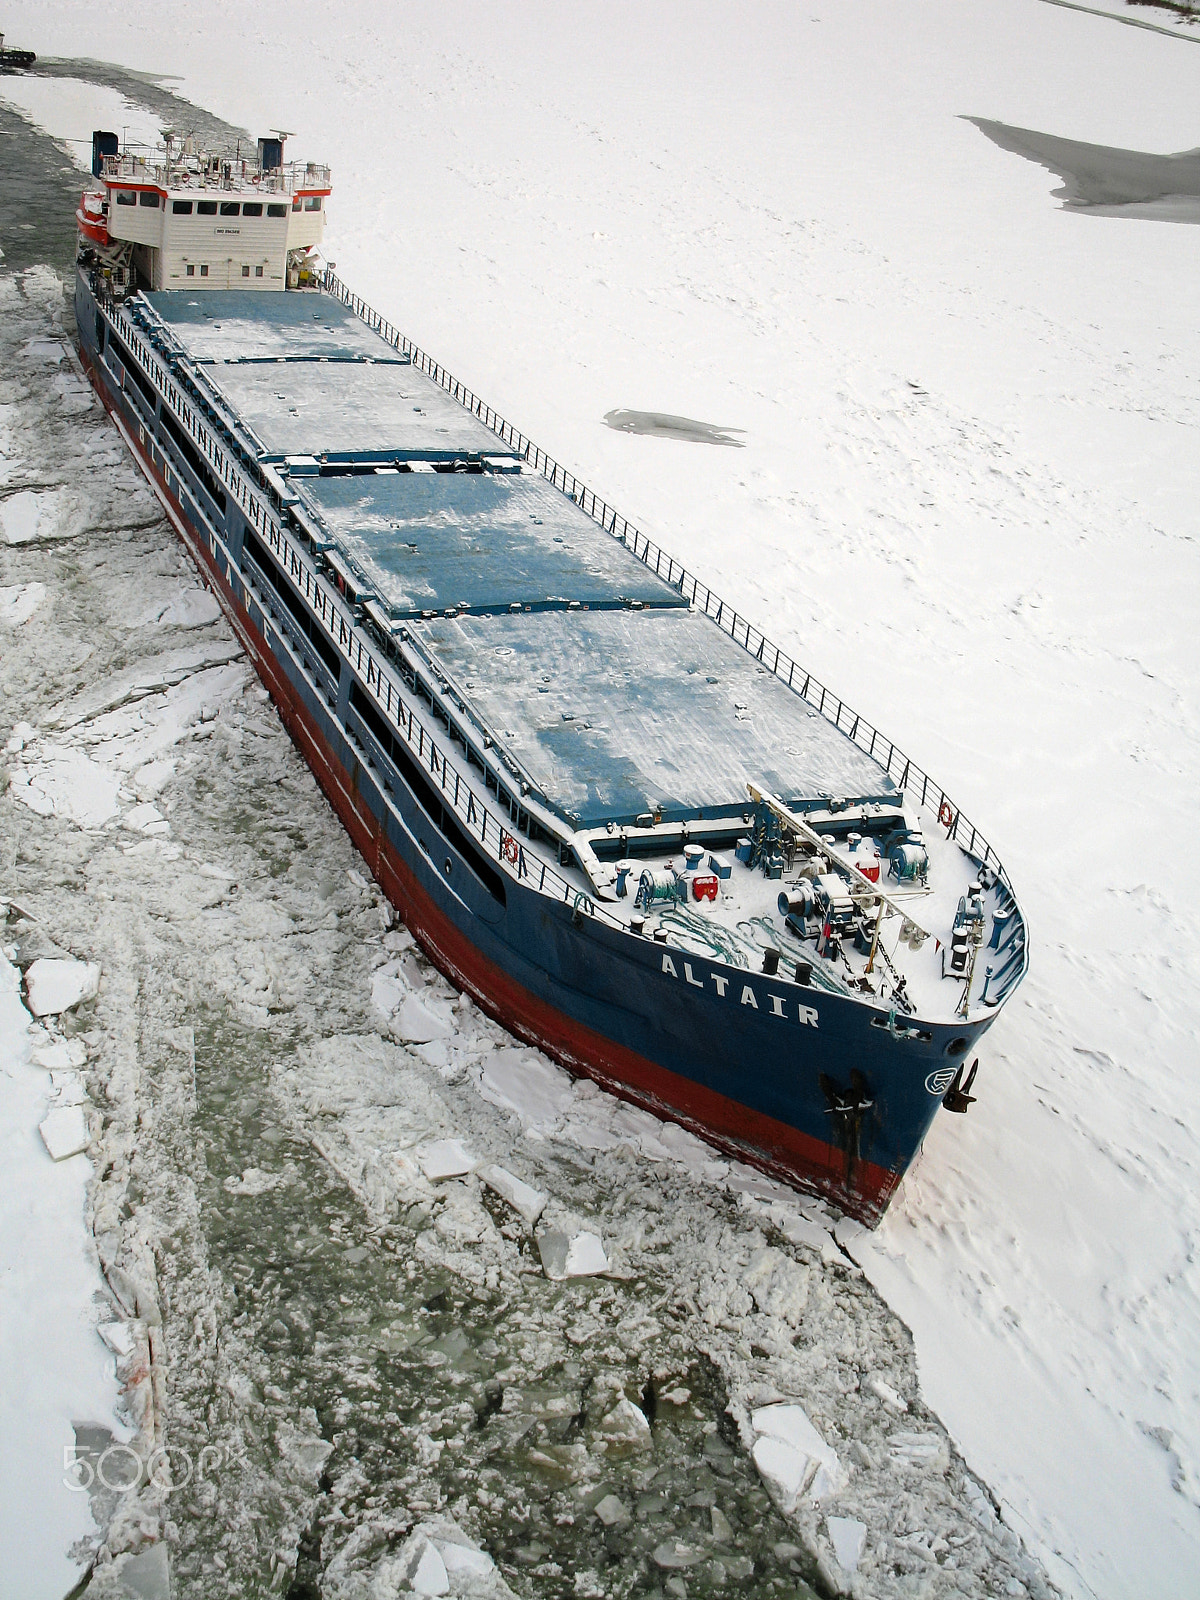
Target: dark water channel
435, 1396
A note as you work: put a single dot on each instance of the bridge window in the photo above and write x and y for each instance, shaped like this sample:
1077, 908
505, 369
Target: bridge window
206, 208
252, 208
181, 208
313, 203
230, 208
149, 199
277, 211
127, 197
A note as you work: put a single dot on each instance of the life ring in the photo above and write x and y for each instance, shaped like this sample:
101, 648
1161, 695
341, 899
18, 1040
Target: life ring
945, 814
511, 849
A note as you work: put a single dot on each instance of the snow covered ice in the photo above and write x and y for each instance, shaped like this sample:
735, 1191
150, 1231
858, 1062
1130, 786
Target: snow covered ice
968, 495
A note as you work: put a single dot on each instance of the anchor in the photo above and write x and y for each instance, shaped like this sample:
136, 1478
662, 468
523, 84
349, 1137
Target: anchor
958, 1096
848, 1109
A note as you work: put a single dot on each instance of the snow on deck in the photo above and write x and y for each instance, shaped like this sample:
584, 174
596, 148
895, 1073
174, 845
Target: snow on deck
229, 325
340, 407
612, 713
481, 540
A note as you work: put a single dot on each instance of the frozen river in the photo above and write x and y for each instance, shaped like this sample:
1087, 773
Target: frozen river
968, 494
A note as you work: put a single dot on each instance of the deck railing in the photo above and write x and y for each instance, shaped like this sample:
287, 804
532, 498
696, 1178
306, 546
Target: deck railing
907, 773
458, 791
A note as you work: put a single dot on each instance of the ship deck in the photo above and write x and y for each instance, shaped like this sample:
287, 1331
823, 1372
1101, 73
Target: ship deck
608, 718
604, 689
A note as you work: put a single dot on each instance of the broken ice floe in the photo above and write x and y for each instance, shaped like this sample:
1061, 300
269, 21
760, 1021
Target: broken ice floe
887, 1394
625, 1429
777, 1284
304, 1454
848, 1536
525, 1200
146, 818
439, 1559
416, 1023
925, 1450
445, 1158
571, 1255
189, 608
613, 1513
412, 1019
66, 1089
33, 514
62, 1055
118, 1336
65, 1131
148, 1573
67, 783
793, 1460
253, 1181
18, 602
55, 986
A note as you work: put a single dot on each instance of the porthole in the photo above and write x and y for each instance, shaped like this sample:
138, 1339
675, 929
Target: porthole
958, 1047
449, 865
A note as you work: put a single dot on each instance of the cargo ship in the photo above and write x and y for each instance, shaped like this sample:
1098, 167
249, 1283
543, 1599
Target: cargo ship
639, 834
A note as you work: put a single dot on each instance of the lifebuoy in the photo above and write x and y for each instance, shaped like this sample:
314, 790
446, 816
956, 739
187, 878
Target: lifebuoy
945, 814
511, 849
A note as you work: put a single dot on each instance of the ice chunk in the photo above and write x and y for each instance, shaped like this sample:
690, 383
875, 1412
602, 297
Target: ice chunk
526, 1201
887, 1394
778, 1285
67, 1089
54, 986
848, 1536
578, 1255
149, 781
61, 1056
792, 1458
463, 1563
64, 1131
388, 991
445, 1158
147, 1575
674, 1554
926, 1450
139, 817
611, 1511
537, 1090
421, 1567
19, 601
625, 1428
67, 783
22, 733
253, 1181
118, 1336
33, 514
305, 1455
192, 608
415, 1023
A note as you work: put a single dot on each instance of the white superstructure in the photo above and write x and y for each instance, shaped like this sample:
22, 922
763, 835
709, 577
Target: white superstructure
204, 221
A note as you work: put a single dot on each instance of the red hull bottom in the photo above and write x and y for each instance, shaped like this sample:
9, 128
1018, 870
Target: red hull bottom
761, 1141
